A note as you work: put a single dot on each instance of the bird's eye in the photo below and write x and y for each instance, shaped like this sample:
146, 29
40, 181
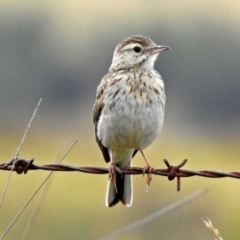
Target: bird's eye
137, 49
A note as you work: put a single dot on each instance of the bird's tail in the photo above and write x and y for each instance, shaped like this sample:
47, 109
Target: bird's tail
121, 190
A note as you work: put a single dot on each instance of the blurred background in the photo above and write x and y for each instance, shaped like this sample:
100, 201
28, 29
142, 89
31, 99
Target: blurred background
59, 51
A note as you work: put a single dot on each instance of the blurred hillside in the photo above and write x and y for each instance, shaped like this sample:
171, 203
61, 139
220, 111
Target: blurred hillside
60, 51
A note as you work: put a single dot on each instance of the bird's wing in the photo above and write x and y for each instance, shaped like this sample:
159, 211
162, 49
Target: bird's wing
135, 152
97, 110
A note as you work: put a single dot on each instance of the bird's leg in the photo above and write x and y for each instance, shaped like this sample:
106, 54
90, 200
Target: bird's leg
112, 171
147, 168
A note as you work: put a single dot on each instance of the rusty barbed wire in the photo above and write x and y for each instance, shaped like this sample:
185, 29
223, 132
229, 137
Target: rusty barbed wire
23, 166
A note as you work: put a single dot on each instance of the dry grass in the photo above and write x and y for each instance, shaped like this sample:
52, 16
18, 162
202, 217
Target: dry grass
215, 231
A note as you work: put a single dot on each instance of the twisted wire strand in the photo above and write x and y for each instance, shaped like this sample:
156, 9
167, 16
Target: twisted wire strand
23, 166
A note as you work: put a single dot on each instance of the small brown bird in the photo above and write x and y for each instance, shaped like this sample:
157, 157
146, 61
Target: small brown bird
129, 110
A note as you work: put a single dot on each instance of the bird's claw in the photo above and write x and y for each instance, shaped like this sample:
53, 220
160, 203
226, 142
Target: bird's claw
148, 170
112, 174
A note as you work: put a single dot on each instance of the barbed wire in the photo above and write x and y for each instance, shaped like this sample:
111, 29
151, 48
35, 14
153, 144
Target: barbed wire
23, 166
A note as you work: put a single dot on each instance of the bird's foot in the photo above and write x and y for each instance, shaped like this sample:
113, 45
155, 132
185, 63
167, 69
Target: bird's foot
148, 170
113, 170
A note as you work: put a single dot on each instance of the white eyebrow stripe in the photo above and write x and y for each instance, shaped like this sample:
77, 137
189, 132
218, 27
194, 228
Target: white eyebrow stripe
130, 46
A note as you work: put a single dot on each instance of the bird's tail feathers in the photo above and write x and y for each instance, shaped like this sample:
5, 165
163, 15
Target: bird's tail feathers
120, 190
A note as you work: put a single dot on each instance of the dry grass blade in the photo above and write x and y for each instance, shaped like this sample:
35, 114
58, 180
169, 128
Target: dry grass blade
18, 151
155, 215
215, 231
30, 199
42, 195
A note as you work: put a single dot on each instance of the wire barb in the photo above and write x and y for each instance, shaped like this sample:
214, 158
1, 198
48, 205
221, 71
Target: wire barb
19, 165
173, 170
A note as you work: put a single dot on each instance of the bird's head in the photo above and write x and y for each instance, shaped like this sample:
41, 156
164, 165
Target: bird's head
136, 51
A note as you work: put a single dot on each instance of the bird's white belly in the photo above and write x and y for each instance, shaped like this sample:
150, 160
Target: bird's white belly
130, 124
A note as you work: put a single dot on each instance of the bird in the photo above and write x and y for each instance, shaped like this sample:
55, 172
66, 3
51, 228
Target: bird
128, 112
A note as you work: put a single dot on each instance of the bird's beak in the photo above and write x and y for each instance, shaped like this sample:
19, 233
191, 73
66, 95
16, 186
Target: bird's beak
158, 49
